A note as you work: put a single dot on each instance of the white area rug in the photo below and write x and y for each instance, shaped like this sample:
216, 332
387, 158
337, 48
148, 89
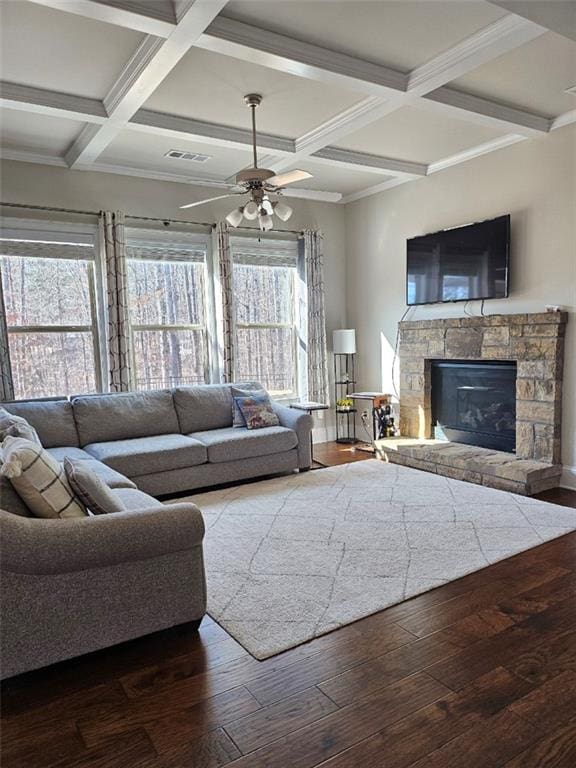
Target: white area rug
293, 558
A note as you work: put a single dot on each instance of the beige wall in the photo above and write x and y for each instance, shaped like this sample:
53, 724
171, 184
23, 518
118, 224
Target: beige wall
44, 185
535, 181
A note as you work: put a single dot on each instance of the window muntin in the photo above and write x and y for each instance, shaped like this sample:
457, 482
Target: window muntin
265, 309
50, 304
167, 307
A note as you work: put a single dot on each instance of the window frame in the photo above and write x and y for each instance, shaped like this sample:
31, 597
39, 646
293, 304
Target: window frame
67, 233
154, 238
250, 251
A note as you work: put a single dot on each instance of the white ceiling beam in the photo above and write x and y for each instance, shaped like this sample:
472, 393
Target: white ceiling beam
501, 37
562, 120
362, 161
140, 17
186, 128
297, 57
556, 15
51, 103
498, 38
151, 63
479, 110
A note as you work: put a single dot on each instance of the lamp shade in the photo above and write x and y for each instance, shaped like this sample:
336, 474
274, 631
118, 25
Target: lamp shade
344, 341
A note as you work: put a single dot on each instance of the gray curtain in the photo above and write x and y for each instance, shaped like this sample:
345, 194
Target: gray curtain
312, 243
226, 308
112, 238
6, 383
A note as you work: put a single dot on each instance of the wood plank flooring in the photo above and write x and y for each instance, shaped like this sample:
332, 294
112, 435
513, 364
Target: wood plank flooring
480, 673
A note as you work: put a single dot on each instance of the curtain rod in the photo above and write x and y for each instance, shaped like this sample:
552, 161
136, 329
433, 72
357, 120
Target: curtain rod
139, 218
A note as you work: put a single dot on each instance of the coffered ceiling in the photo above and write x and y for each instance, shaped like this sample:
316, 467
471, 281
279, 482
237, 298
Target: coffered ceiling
364, 95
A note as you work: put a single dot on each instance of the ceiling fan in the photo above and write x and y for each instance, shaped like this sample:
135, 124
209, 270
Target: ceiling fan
258, 183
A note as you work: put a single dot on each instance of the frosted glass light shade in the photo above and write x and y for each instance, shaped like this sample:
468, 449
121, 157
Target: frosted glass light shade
344, 341
235, 217
250, 210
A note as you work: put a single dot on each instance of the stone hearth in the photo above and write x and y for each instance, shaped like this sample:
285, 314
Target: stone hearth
536, 343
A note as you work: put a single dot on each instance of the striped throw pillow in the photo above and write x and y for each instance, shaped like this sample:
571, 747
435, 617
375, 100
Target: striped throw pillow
39, 480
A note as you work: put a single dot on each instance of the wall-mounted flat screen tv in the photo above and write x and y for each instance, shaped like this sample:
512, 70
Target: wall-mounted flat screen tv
459, 264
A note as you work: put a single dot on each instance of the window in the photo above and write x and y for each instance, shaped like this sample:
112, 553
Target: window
266, 309
167, 301
48, 282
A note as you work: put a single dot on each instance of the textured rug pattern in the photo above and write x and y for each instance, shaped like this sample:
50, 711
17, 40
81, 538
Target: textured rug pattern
292, 558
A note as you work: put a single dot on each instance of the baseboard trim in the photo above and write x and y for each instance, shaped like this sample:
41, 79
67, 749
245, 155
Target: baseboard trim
568, 478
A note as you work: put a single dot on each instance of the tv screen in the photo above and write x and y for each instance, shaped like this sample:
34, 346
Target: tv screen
460, 264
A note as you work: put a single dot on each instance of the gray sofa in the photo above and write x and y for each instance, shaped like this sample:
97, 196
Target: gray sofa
73, 586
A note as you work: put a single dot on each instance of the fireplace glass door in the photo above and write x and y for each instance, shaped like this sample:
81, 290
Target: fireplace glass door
475, 403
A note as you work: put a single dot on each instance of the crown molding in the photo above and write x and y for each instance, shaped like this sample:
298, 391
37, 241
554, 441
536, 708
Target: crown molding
39, 158
376, 189
133, 70
473, 152
371, 163
53, 103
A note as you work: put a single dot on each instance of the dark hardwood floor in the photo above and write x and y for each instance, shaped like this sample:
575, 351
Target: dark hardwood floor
480, 673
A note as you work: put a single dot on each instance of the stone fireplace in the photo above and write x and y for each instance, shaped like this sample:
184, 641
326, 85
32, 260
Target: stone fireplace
531, 346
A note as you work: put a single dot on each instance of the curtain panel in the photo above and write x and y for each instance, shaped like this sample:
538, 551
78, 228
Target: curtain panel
113, 243
225, 301
312, 243
6, 383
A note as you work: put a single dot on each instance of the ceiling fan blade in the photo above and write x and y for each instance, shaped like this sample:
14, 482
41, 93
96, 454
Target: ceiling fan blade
211, 199
290, 177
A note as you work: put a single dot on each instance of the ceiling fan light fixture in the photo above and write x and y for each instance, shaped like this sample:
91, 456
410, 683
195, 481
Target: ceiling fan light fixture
250, 210
282, 210
234, 218
265, 221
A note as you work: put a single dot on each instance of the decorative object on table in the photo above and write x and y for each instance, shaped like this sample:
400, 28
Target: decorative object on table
344, 347
310, 407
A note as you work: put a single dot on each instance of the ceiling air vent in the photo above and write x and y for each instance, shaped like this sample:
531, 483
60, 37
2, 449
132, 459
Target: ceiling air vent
180, 154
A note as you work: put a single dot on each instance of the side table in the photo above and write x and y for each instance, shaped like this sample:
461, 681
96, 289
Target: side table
310, 408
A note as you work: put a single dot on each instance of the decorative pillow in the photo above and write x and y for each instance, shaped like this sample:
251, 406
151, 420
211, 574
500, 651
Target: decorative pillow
90, 489
257, 411
246, 390
16, 426
39, 479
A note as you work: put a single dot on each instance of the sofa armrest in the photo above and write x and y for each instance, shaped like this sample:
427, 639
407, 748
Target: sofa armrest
36, 546
301, 423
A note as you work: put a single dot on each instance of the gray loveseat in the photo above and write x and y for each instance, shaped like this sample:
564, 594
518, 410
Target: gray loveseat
73, 586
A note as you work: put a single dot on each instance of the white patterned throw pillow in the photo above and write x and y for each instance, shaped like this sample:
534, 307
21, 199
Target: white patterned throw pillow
16, 426
39, 480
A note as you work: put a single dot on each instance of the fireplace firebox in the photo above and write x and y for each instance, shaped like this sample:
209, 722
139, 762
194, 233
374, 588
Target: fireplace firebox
474, 402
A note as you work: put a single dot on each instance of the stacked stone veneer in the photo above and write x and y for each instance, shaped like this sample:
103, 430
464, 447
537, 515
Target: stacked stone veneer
534, 341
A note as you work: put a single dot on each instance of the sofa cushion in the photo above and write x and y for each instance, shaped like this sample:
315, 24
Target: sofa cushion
112, 478
234, 443
124, 416
39, 480
257, 411
203, 407
132, 498
91, 489
53, 420
145, 455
